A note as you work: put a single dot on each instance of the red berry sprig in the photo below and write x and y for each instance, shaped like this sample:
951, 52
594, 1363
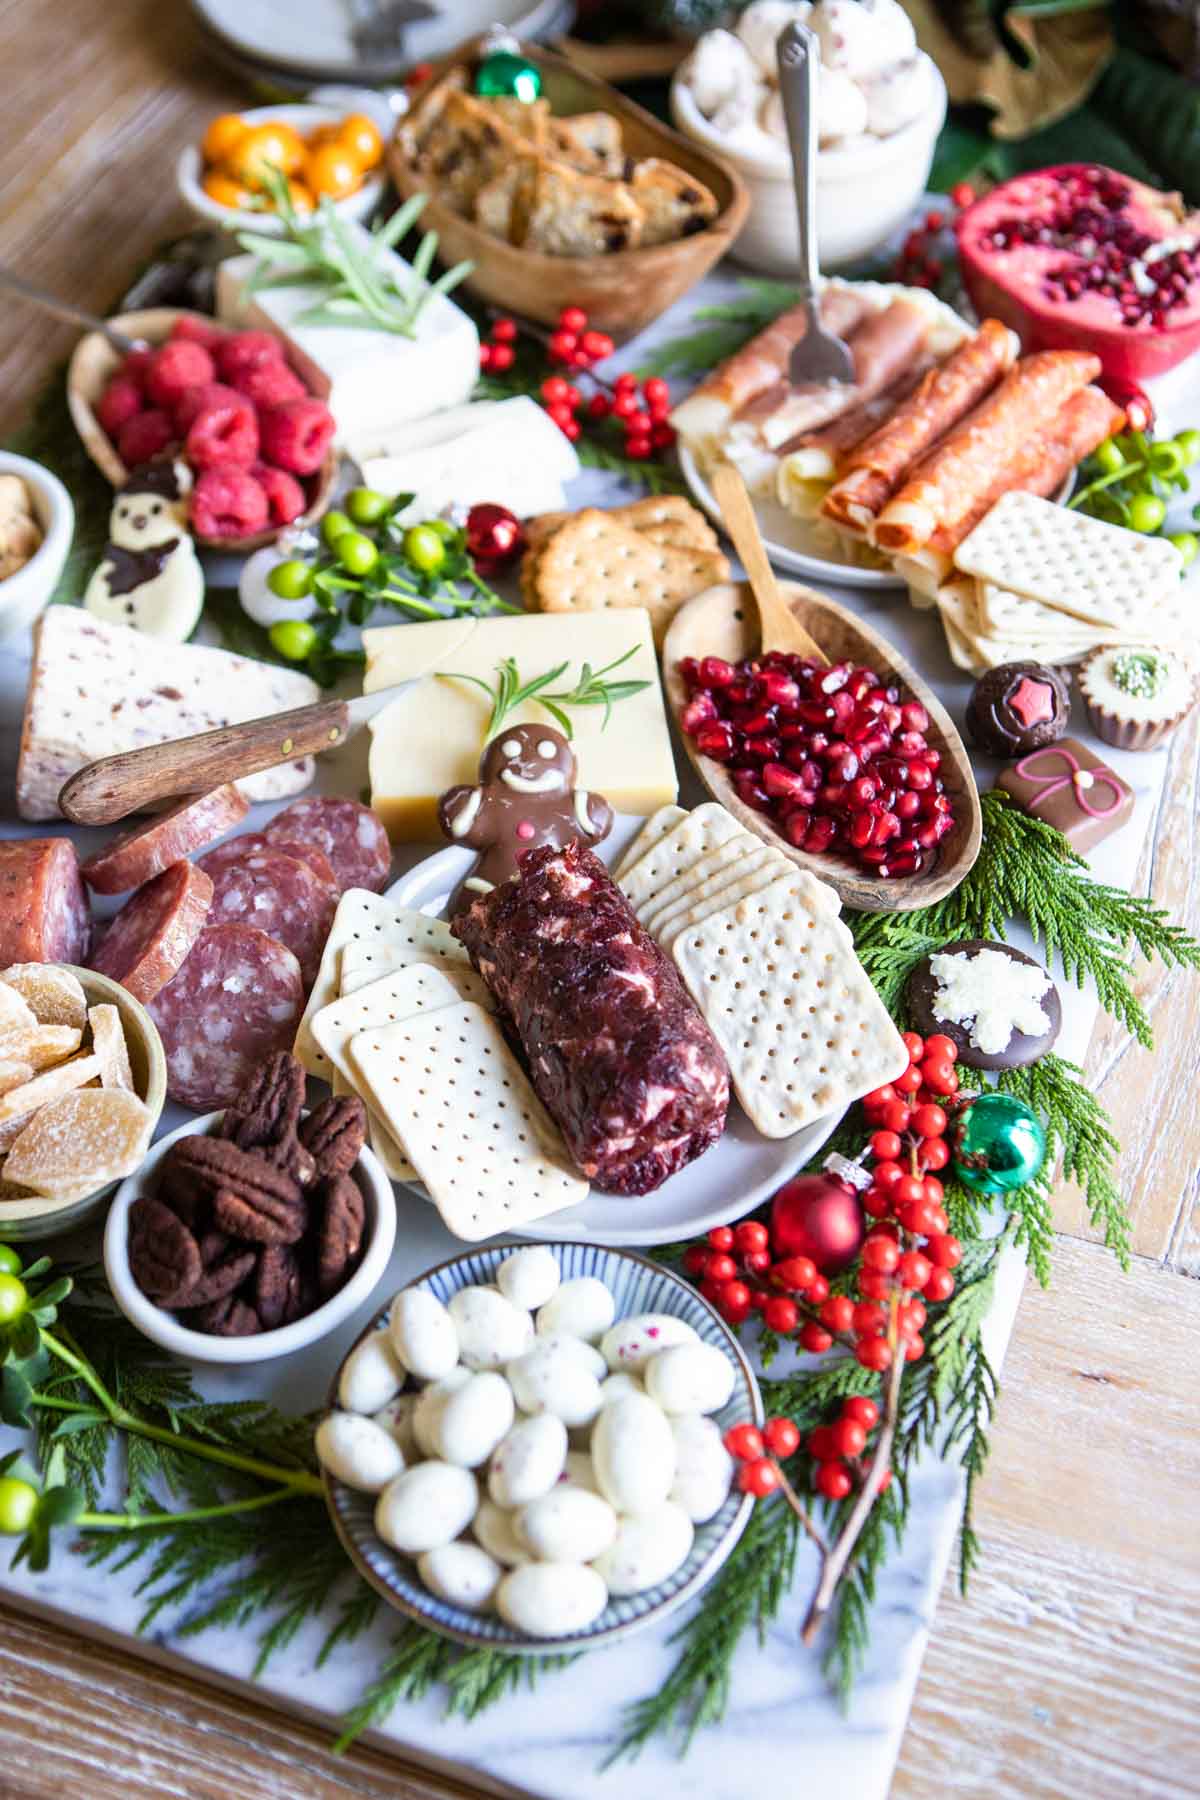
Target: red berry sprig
917, 266
839, 1450
760, 1453
736, 1275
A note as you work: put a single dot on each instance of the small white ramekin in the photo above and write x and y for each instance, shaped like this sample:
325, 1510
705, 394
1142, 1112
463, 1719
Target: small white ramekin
24, 595
189, 173
864, 191
163, 1328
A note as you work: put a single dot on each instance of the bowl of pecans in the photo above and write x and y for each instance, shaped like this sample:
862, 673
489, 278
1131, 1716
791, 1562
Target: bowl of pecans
251, 1233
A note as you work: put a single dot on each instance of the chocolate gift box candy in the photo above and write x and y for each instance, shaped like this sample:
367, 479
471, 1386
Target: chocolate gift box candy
1067, 786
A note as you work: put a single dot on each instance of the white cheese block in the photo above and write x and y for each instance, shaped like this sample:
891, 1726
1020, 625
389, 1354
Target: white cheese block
430, 737
514, 455
96, 689
369, 379
420, 434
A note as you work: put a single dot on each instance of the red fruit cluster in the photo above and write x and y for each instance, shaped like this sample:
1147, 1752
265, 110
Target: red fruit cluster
497, 351
229, 403
839, 1451
574, 344
916, 266
757, 1451
837, 759
643, 415
737, 1276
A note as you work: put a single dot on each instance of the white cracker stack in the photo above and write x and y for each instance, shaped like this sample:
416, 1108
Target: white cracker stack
395, 985
769, 963
1039, 582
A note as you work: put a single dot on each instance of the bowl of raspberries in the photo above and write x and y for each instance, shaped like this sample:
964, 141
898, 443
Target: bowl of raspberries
258, 442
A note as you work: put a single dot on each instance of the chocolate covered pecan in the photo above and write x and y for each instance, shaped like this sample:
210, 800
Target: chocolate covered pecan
227, 1317
343, 1218
220, 1276
164, 1257
278, 1286
266, 1119
335, 1132
256, 1215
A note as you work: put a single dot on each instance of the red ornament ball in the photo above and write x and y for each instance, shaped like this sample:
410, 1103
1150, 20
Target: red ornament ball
495, 535
820, 1217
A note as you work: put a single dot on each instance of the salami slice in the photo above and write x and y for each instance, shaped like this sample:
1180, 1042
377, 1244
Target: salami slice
350, 834
238, 847
141, 854
272, 891
235, 1002
149, 939
44, 914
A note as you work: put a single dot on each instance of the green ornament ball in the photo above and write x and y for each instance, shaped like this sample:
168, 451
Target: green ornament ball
999, 1144
505, 74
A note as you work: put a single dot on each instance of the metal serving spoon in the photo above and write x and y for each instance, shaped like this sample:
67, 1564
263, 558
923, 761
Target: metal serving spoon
63, 309
819, 355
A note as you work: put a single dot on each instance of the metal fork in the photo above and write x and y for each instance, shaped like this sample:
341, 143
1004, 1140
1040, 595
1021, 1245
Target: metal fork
819, 355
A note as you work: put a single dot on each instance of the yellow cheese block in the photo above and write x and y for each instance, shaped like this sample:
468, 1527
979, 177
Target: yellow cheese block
430, 738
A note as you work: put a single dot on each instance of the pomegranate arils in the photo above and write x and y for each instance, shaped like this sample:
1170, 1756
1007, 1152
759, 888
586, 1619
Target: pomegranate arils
836, 758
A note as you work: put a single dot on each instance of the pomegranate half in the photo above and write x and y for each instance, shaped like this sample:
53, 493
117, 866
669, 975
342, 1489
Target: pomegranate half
1080, 257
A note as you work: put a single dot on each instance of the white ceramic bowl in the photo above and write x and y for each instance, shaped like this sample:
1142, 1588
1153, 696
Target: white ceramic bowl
24, 595
201, 1346
189, 172
864, 191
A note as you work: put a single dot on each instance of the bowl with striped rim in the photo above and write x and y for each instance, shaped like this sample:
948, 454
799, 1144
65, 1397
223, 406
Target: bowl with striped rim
638, 1286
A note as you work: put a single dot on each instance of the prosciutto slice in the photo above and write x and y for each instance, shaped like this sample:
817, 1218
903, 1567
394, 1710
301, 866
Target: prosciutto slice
966, 466
884, 345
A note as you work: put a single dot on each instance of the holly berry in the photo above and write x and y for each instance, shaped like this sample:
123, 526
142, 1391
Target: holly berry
695, 1259
833, 1480
896, 1117
781, 1437
599, 406
796, 1273
751, 1234
638, 448
596, 345
874, 1353
881, 1253
940, 1047
721, 1237
554, 390
759, 1478
837, 1313
781, 1314
929, 1120
862, 1408
503, 357
744, 1442
573, 319
914, 1270
885, 1145
849, 1437
504, 331
940, 1285
962, 194
944, 1251
815, 1339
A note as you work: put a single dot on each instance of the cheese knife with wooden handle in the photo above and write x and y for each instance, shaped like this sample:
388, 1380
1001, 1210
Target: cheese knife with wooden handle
138, 780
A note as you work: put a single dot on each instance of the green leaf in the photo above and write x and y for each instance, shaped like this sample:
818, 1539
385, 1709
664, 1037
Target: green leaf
60, 1506
75, 1422
16, 1393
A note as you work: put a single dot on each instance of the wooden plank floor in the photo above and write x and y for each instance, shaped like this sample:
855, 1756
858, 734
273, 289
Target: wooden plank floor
1073, 1670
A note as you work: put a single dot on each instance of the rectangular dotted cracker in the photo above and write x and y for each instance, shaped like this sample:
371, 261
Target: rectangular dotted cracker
655, 829
715, 867
364, 963
698, 832
742, 887
783, 992
449, 1088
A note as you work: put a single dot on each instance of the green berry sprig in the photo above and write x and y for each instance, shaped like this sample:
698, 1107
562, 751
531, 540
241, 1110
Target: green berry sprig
1130, 480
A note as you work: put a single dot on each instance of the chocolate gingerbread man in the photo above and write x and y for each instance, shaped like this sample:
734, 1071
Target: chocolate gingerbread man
526, 797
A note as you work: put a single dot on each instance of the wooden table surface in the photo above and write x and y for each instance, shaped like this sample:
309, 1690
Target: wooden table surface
1073, 1670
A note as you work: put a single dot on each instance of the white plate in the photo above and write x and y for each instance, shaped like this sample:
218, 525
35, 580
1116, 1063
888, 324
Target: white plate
734, 1177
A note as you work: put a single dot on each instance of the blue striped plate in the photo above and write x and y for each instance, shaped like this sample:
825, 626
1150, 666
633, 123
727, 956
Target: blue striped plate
637, 1285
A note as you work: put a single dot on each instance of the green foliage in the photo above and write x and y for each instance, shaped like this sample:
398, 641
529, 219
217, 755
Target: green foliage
1158, 110
655, 477
722, 328
1080, 1138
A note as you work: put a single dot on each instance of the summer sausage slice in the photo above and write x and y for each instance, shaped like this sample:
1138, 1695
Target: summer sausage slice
148, 940
44, 914
272, 891
349, 833
141, 854
236, 848
235, 1002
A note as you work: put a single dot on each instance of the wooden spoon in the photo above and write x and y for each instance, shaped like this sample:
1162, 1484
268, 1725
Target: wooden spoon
779, 628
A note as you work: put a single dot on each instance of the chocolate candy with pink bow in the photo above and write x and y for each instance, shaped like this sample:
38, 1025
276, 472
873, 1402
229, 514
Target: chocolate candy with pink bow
1016, 707
1067, 786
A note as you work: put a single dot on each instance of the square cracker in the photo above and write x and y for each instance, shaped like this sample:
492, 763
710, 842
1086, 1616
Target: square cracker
652, 832
698, 832
790, 1004
675, 519
1071, 562
594, 563
449, 1088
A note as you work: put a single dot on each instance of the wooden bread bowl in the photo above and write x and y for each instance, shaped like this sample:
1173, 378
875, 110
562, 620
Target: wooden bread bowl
94, 362
620, 292
723, 621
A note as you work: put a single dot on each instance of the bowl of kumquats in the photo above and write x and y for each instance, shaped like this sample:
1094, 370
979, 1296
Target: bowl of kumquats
321, 150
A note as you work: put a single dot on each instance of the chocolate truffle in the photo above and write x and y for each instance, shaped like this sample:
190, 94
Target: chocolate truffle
1016, 707
1136, 698
996, 1004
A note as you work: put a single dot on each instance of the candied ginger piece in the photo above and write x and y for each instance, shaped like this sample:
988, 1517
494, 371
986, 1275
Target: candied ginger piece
41, 1045
14, 1073
48, 1086
108, 1043
81, 1140
15, 1013
54, 995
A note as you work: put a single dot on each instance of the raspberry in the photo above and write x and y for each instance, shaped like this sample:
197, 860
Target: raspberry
269, 384
227, 502
121, 399
135, 366
296, 435
205, 332
192, 402
175, 367
222, 434
244, 350
144, 437
285, 496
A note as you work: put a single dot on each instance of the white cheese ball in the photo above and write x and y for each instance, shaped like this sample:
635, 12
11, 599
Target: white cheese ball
529, 1460
703, 1467
860, 41
577, 1348
647, 1549
529, 1277
428, 1410
550, 1379
423, 1334
633, 1451
566, 1525
613, 1386
426, 1507
690, 1378
898, 96
396, 1418
371, 1375
580, 1471
359, 1452
718, 71
583, 1308
631, 1342
473, 1419
461, 1574
493, 1527
551, 1599
491, 1330
759, 27
841, 107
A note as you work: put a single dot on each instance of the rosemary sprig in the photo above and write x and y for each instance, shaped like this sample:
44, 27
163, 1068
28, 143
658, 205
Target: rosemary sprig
593, 690
508, 691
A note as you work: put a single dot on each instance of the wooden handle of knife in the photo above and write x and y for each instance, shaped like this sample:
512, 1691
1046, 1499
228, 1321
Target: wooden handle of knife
115, 786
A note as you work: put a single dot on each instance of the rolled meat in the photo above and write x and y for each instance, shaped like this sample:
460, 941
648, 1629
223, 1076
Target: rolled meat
883, 346
944, 488
616, 1050
874, 468
823, 450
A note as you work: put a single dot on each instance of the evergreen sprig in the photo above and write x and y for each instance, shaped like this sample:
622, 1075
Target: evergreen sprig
721, 329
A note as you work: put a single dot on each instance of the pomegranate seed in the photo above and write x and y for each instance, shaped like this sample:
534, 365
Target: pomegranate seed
715, 741
698, 712
716, 673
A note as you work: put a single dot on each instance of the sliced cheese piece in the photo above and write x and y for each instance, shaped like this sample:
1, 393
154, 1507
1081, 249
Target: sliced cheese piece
430, 737
515, 455
420, 434
96, 689
369, 379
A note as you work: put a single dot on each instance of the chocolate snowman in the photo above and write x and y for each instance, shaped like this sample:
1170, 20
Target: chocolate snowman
149, 575
526, 797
